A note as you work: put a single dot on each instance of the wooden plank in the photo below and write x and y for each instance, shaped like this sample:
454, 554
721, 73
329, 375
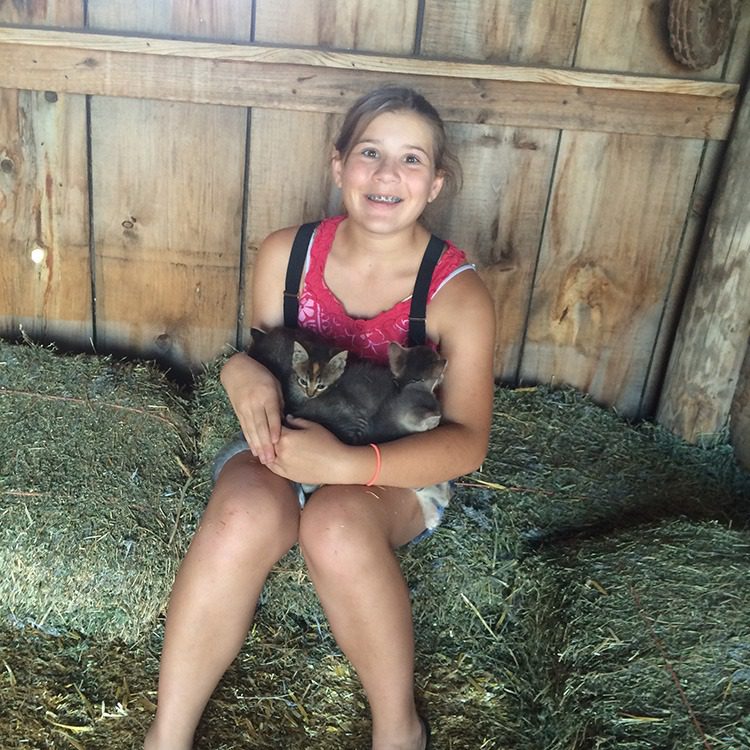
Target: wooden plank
168, 194
497, 219
382, 25
45, 286
44, 41
313, 80
203, 19
606, 261
738, 62
695, 221
543, 32
712, 337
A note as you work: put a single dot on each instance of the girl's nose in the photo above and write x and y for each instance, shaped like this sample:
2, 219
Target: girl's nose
387, 169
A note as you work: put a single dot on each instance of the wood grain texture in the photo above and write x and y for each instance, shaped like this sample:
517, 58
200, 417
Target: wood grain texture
167, 221
712, 338
610, 241
315, 80
168, 196
543, 32
380, 25
199, 19
699, 205
44, 202
497, 219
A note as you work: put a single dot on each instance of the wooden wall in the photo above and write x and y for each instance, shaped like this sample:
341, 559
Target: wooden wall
145, 172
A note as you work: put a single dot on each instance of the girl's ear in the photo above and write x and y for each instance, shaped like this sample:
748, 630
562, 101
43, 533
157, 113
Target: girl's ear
437, 186
337, 166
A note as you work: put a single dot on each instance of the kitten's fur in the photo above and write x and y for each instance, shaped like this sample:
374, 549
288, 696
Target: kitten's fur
359, 401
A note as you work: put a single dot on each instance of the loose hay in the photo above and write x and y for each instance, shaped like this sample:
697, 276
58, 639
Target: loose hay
94, 479
574, 577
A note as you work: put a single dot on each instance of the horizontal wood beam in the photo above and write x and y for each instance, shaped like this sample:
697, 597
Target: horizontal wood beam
326, 81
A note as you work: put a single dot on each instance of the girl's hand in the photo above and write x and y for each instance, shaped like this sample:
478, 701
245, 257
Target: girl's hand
308, 453
256, 398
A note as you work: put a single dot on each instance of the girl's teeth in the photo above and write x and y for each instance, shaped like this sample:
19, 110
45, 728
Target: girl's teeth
384, 198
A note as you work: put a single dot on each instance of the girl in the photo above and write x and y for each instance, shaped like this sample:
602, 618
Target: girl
390, 161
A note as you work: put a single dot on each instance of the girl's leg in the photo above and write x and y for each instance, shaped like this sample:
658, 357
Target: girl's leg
251, 520
347, 536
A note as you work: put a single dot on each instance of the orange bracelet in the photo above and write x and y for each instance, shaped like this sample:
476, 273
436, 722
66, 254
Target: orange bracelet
378, 464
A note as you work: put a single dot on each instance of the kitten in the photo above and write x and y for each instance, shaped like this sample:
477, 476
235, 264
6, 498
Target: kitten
359, 401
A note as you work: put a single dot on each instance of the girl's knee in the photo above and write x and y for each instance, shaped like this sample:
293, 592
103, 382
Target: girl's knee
247, 513
337, 530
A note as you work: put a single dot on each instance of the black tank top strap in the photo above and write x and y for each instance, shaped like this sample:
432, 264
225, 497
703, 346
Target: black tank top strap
418, 310
294, 272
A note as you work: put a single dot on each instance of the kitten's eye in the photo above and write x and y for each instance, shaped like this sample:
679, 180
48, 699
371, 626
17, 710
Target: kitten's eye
302, 381
321, 387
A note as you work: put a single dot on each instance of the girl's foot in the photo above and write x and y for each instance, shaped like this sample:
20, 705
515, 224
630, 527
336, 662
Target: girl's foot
153, 741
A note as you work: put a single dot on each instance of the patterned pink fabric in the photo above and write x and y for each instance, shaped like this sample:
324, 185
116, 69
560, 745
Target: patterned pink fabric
321, 311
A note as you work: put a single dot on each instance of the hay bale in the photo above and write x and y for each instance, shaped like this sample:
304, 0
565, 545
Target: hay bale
516, 598
563, 466
95, 489
631, 550
652, 642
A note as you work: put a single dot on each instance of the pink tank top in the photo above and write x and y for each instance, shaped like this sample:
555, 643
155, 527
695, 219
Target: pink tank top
321, 311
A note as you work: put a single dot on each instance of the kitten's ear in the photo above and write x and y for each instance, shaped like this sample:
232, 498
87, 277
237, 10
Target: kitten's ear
300, 357
436, 373
335, 367
397, 355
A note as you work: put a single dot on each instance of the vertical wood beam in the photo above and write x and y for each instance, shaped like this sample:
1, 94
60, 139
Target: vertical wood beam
712, 337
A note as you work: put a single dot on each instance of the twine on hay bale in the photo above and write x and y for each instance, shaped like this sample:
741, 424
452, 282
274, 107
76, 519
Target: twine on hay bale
95, 483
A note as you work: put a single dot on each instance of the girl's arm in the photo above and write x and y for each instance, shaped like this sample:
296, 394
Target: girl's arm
253, 391
461, 319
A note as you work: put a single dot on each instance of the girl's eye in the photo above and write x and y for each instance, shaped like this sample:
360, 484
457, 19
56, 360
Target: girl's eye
370, 153
412, 159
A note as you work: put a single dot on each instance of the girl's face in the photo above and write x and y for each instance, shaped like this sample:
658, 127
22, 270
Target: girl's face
389, 176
